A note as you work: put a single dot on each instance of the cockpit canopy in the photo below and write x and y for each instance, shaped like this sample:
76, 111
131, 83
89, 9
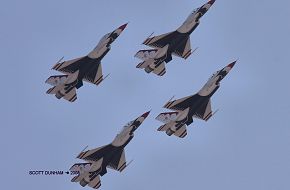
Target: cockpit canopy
192, 15
194, 11
128, 124
101, 43
213, 75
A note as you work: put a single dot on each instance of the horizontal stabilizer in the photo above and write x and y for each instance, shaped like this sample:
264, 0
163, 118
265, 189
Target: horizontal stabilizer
144, 64
146, 54
56, 80
95, 183
181, 132
166, 126
51, 90
160, 70
71, 96
76, 178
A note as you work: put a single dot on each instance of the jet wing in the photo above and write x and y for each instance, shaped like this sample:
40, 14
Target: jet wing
71, 66
160, 70
160, 41
182, 103
118, 162
95, 76
184, 50
96, 154
204, 112
71, 96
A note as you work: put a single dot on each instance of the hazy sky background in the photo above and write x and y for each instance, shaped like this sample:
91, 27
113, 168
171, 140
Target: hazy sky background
244, 146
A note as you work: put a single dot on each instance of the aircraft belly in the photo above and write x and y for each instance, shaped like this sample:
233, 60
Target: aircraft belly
197, 105
87, 69
177, 42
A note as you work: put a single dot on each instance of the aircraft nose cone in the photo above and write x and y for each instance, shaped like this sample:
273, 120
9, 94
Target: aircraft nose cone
231, 65
211, 2
145, 114
123, 26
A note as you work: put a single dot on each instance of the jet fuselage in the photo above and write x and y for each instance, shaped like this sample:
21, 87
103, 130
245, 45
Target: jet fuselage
201, 99
177, 40
86, 66
182, 34
101, 158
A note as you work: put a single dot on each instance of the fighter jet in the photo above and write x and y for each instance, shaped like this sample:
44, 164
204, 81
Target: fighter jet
176, 43
111, 156
195, 106
87, 68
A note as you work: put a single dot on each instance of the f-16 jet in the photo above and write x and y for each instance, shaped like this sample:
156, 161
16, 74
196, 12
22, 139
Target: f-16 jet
109, 156
176, 43
87, 68
195, 106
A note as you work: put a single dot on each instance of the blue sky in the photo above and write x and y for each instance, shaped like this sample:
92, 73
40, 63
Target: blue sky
244, 146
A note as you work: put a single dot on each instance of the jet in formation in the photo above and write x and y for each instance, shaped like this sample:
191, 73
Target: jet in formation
176, 43
195, 106
87, 68
111, 156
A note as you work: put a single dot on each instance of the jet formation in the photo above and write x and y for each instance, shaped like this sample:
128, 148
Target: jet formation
194, 106
173, 43
87, 68
111, 156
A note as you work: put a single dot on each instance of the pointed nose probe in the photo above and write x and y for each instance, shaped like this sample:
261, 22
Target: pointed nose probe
231, 65
211, 2
123, 26
145, 114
